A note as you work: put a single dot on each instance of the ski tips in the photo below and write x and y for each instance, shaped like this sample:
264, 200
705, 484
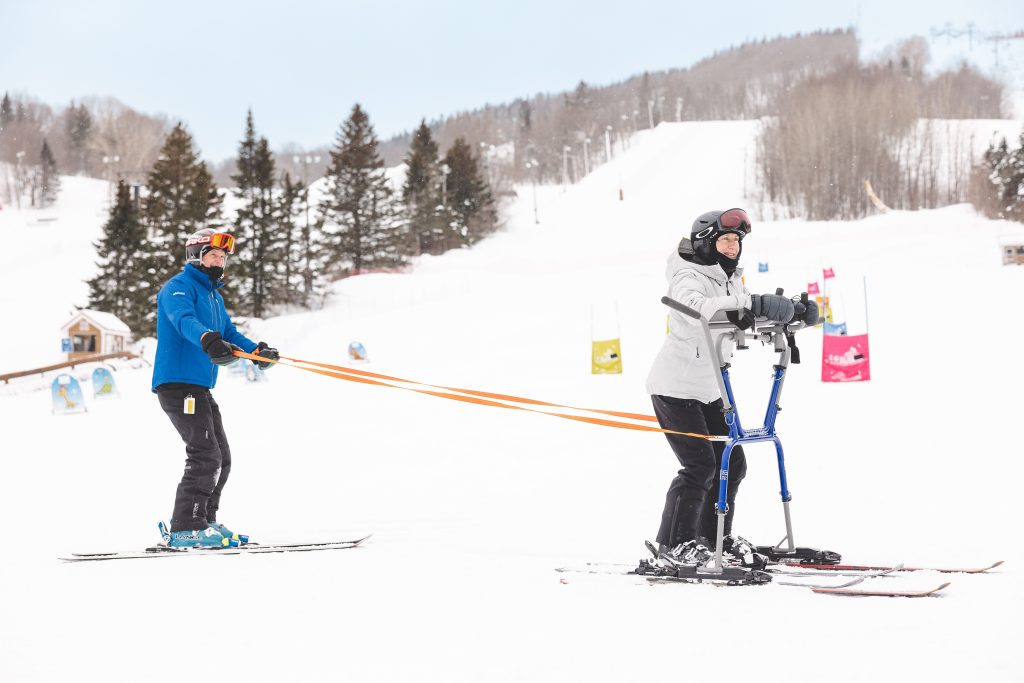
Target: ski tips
857, 592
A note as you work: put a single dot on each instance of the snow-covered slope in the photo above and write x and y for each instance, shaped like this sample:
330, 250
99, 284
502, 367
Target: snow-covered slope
46, 257
472, 508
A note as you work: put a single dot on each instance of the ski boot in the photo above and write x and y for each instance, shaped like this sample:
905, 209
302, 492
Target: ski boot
667, 560
738, 551
228, 533
199, 538
693, 553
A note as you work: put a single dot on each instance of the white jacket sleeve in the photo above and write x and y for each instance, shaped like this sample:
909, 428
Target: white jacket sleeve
688, 289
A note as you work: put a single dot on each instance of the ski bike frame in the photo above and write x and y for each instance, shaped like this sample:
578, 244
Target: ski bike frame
778, 334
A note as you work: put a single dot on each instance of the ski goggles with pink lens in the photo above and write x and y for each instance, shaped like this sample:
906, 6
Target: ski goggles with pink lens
733, 220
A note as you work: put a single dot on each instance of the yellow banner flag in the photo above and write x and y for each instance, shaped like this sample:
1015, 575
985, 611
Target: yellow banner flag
606, 357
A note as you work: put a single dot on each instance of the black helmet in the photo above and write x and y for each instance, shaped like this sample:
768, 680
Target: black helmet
700, 247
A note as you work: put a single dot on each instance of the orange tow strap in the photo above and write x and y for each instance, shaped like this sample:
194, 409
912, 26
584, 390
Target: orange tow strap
472, 396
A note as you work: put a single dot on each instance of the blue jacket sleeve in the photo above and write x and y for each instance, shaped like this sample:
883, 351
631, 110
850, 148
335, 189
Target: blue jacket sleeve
178, 305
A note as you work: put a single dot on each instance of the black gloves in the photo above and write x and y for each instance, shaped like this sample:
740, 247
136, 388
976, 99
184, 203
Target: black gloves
772, 306
262, 349
808, 312
742, 319
219, 351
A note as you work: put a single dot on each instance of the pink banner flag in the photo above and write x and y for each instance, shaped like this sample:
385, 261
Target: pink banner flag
812, 288
827, 272
845, 359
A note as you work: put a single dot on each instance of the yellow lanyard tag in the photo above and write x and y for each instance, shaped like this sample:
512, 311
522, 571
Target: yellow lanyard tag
190, 405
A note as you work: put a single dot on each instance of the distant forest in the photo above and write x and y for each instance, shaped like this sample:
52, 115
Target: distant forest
830, 122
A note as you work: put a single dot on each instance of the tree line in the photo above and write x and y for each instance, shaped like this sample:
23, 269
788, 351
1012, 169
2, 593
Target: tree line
34, 174
96, 137
830, 122
292, 239
884, 122
559, 137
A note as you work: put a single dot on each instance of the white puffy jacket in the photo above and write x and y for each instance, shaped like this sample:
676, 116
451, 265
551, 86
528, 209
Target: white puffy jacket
684, 366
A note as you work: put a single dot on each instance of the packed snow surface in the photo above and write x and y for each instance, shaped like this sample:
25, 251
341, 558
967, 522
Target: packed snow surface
472, 508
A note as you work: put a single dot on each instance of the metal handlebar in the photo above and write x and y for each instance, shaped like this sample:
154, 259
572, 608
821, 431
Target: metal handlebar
766, 330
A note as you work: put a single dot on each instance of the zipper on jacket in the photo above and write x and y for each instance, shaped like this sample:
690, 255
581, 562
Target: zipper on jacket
213, 321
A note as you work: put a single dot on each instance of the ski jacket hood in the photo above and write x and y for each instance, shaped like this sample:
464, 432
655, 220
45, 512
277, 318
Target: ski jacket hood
684, 367
187, 307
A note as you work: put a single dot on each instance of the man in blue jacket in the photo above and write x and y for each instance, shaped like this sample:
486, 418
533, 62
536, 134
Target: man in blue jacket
194, 337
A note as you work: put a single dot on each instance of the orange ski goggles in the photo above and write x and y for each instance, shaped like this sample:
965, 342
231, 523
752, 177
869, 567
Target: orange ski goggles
223, 240
217, 240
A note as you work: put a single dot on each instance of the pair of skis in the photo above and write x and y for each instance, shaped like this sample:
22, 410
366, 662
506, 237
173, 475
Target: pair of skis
250, 548
856, 573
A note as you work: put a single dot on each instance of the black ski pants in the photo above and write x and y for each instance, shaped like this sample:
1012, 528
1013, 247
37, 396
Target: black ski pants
690, 503
207, 455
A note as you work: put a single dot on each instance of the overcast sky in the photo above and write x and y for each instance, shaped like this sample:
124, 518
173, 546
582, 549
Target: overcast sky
301, 65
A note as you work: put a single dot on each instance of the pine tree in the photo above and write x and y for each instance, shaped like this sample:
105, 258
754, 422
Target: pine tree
996, 160
524, 136
298, 247
1013, 182
468, 201
78, 130
421, 193
181, 198
49, 180
122, 286
309, 243
260, 262
643, 98
525, 118
6, 112
361, 226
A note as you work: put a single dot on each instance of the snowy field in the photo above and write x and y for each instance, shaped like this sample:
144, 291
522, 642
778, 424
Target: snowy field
472, 508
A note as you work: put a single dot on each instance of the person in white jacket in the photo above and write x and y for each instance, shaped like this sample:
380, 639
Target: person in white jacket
703, 274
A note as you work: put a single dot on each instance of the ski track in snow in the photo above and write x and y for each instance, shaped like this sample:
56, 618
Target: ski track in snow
472, 508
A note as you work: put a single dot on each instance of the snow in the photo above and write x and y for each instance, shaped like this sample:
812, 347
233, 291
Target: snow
472, 508
47, 255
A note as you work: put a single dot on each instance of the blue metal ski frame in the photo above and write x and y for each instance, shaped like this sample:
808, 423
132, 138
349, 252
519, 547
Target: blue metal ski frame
765, 331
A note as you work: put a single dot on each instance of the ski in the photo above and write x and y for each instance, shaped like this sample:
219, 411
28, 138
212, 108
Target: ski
730, 576
617, 569
858, 578
247, 549
787, 571
869, 568
796, 584
880, 593
772, 574
773, 569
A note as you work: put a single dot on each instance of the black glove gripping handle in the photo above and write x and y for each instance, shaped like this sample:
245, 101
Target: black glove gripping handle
675, 305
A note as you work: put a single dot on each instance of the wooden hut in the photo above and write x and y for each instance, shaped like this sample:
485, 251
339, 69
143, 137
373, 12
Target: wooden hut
95, 332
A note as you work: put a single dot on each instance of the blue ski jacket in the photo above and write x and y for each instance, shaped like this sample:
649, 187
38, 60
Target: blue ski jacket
187, 307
